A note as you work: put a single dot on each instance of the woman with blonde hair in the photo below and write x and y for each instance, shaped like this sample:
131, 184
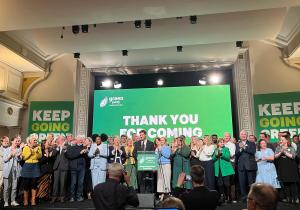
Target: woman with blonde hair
116, 152
195, 147
205, 156
32, 153
163, 151
130, 163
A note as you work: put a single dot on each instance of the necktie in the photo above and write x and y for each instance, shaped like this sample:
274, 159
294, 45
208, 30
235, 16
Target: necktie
143, 146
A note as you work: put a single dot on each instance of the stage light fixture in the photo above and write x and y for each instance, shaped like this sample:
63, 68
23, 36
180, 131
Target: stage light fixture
85, 28
138, 24
202, 82
117, 85
124, 52
179, 48
160, 82
75, 29
193, 19
148, 23
215, 78
239, 44
107, 83
77, 55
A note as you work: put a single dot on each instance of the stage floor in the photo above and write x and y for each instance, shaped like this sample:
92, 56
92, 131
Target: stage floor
88, 205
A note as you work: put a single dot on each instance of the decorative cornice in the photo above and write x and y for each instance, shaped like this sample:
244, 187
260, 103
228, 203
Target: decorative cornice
161, 68
23, 51
12, 101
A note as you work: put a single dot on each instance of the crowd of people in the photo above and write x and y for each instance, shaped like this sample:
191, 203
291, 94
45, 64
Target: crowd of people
70, 169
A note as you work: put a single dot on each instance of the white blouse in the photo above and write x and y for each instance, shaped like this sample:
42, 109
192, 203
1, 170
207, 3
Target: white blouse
206, 153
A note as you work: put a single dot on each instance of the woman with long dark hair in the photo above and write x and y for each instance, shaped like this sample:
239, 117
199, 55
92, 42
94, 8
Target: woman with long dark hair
287, 168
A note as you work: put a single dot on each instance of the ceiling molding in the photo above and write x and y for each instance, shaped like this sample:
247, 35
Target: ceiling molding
23, 52
161, 68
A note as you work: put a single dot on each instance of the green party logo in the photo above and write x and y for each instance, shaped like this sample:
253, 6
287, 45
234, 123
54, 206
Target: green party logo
103, 102
111, 101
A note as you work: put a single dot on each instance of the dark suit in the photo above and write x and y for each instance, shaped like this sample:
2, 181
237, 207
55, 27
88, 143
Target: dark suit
111, 195
199, 198
247, 166
77, 168
145, 178
60, 167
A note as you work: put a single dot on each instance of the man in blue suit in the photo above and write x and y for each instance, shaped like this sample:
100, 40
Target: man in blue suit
245, 159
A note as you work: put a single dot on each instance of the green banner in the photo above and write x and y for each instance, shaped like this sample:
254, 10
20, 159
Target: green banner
168, 112
147, 161
277, 112
50, 117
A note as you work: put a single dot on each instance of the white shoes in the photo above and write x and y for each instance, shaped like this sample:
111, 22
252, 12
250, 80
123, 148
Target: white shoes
6, 204
14, 203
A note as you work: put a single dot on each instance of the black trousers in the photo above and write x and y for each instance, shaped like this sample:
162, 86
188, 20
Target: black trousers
209, 168
223, 184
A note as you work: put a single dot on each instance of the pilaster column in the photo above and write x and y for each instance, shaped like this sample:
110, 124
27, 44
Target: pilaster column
81, 100
243, 88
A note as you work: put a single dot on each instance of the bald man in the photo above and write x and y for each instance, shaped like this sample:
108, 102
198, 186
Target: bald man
262, 197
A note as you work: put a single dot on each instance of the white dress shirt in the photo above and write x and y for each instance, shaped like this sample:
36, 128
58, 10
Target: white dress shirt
231, 146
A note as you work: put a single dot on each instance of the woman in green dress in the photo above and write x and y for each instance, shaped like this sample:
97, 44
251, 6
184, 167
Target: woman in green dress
130, 163
181, 162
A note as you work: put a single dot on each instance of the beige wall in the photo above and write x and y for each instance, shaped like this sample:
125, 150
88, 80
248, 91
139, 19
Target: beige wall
269, 73
59, 86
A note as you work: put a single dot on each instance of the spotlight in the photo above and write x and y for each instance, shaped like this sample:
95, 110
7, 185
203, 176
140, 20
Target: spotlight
202, 81
125, 52
107, 83
193, 19
75, 29
77, 55
85, 28
160, 82
215, 79
138, 24
148, 23
239, 44
117, 85
179, 48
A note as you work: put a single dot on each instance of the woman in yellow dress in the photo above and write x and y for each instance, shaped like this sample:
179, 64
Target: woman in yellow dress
31, 153
130, 163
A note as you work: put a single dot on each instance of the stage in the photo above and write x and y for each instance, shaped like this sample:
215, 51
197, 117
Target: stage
88, 205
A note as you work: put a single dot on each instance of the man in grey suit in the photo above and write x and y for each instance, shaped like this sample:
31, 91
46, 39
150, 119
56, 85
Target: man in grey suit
60, 167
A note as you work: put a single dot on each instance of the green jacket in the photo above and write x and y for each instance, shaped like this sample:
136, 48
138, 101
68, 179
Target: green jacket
223, 162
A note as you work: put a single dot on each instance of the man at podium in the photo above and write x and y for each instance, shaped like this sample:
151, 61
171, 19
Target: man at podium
145, 178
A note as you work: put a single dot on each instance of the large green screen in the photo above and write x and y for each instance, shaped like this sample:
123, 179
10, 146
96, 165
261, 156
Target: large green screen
168, 112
